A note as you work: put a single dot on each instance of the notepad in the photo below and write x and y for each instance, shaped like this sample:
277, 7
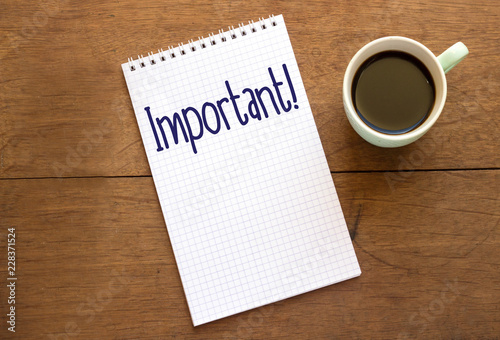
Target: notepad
242, 179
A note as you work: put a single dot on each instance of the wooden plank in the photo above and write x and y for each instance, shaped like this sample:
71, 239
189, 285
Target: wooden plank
61, 86
94, 261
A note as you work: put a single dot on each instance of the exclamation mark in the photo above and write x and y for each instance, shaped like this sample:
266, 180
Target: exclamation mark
292, 90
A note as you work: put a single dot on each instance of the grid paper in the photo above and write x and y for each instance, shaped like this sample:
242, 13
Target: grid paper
253, 217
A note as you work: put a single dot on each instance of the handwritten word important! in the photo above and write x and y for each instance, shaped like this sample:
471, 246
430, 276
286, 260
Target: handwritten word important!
192, 123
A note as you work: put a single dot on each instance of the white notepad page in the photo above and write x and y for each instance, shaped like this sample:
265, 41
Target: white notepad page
253, 215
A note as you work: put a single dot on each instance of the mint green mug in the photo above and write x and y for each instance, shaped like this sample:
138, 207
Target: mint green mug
437, 66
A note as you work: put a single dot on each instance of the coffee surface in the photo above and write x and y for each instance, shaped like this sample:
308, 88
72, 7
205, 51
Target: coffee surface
393, 92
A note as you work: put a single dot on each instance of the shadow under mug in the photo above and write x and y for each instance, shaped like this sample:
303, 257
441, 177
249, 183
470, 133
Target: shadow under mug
437, 67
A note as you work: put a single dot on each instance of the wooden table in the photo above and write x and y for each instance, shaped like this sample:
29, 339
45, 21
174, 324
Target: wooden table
93, 257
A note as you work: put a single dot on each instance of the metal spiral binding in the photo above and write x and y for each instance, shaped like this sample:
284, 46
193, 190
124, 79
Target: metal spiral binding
200, 44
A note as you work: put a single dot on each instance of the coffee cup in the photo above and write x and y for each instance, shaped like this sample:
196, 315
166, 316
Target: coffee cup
364, 98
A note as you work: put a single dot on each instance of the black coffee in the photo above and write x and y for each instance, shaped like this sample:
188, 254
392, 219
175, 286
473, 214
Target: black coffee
393, 92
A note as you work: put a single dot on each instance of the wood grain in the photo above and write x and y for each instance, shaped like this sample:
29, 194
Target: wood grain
94, 258
61, 78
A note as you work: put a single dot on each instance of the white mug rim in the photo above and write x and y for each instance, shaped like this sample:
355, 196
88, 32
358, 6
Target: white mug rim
412, 134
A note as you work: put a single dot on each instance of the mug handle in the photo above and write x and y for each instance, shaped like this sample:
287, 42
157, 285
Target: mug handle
452, 56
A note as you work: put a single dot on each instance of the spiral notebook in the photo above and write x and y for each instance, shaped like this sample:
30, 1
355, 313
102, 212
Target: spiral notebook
248, 199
